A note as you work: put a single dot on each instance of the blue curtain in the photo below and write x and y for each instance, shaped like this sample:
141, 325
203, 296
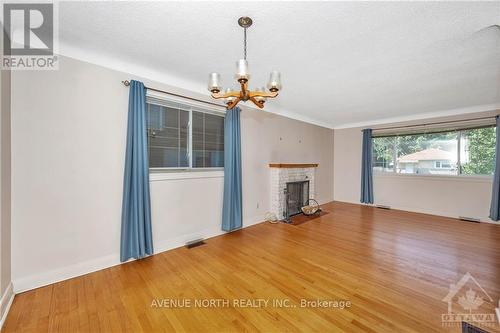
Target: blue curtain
366, 168
231, 208
136, 235
495, 194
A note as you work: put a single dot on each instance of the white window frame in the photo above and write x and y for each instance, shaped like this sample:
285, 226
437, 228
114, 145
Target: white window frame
161, 100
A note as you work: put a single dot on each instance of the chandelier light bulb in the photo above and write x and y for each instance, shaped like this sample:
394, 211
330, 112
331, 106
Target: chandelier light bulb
230, 98
274, 83
260, 98
242, 70
214, 85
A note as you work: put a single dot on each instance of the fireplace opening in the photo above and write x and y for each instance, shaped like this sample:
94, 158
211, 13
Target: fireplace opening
296, 195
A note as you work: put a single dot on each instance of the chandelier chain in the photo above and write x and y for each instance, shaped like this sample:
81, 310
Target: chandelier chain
245, 43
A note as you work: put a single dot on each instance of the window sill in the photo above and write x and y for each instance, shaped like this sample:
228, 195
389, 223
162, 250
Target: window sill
461, 178
163, 175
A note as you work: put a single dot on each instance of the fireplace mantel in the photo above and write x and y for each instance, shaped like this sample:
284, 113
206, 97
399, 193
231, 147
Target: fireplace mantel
293, 165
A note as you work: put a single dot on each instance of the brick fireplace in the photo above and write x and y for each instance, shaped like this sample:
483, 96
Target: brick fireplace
287, 173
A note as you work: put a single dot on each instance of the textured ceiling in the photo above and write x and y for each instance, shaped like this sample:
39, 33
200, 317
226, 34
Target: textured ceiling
341, 63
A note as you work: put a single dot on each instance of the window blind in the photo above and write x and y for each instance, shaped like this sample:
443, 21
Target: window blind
184, 136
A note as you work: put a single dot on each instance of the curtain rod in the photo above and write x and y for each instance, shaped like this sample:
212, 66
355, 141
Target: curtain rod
126, 83
435, 123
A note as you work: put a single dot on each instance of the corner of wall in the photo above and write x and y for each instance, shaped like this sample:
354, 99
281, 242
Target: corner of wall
333, 165
6, 289
5, 303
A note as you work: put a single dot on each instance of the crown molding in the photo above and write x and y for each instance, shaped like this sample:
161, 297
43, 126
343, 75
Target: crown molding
425, 115
292, 115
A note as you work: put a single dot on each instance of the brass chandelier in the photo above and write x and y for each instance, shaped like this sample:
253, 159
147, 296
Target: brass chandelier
257, 96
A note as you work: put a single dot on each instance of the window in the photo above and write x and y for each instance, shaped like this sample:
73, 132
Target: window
183, 137
478, 151
383, 154
442, 165
457, 152
208, 140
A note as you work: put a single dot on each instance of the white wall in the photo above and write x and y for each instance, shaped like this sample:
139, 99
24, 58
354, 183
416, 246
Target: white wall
68, 147
6, 294
269, 138
438, 195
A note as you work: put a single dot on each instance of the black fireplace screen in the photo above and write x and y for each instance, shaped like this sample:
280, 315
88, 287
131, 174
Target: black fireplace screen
296, 195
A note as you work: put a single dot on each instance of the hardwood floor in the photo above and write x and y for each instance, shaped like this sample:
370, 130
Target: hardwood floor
394, 267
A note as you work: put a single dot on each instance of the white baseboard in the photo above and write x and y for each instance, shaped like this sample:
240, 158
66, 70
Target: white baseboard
48, 277
418, 210
323, 201
249, 221
5, 303
82, 268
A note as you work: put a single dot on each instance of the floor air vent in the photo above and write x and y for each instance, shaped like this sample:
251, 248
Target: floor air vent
195, 243
469, 219
383, 207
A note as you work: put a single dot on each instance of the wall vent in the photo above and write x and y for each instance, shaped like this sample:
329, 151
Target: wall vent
469, 219
383, 207
195, 243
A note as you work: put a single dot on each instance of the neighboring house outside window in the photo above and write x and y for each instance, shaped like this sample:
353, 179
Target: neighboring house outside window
428, 161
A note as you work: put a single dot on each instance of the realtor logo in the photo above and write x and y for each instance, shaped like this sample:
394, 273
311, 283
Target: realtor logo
29, 38
469, 302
